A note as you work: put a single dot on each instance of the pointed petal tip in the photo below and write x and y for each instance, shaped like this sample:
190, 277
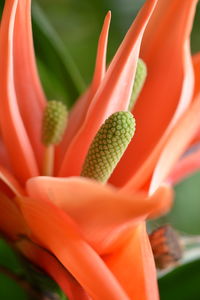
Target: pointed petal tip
109, 14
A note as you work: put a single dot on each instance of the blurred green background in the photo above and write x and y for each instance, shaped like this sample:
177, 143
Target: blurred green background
66, 34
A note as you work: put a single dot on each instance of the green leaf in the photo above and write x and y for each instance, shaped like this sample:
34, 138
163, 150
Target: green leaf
1, 7
42, 282
182, 283
11, 263
55, 59
10, 290
195, 42
9, 259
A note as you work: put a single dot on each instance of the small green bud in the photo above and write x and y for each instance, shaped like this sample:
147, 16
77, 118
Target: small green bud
108, 146
140, 77
54, 122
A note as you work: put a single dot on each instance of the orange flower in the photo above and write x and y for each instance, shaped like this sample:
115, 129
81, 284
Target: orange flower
90, 237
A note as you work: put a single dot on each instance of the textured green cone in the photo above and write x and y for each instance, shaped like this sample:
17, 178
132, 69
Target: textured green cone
54, 122
140, 77
108, 146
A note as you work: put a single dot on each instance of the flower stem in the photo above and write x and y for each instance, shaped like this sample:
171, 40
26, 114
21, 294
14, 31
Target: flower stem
48, 163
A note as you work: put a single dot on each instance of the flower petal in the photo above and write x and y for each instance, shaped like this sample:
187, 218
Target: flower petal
57, 232
12, 223
134, 267
48, 263
176, 144
167, 91
11, 182
30, 97
113, 94
103, 213
12, 127
78, 113
4, 159
185, 167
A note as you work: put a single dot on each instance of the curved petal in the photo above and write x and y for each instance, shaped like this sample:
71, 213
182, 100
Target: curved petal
12, 223
48, 263
12, 127
4, 158
113, 94
166, 195
57, 232
11, 182
103, 213
185, 167
176, 144
133, 265
196, 65
30, 97
78, 113
168, 88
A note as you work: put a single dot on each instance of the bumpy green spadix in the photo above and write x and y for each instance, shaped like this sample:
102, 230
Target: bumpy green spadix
54, 122
108, 146
140, 77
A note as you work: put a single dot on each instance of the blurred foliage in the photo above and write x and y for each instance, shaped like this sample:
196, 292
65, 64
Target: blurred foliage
10, 290
21, 280
196, 31
182, 283
58, 71
10, 264
9, 259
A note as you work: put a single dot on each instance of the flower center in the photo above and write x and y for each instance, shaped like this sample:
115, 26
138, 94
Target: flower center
54, 122
53, 128
140, 77
108, 146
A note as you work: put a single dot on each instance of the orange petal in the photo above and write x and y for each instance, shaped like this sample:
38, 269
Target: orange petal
12, 127
4, 159
48, 263
11, 182
176, 144
30, 97
113, 94
133, 265
185, 167
196, 65
12, 223
167, 91
57, 232
165, 194
79, 111
102, 213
